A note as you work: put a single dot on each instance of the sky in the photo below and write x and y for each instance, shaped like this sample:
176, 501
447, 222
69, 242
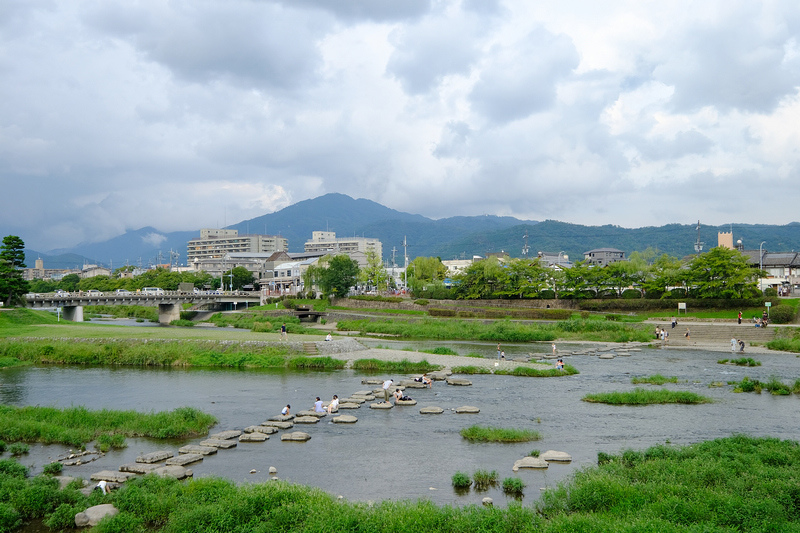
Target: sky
184, 114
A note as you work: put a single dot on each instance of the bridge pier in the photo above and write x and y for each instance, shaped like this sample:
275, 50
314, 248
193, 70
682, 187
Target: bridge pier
168, 312
73, 313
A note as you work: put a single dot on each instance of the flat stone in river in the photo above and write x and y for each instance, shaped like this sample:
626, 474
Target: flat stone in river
177, 472
267, 430
219, 443
306, 420
405, 402
154, 457
459, 381
296, 436
432, 410
554, 456
278, 425
138, 468
253, 437
529, 462
349, 405
344, 419
110, 475
467, 409
230, 434
194, 448
381, 405
184, 459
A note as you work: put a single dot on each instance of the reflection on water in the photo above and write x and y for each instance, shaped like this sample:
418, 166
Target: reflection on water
400, 454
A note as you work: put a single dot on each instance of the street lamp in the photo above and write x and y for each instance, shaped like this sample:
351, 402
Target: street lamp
760, 266
559, 257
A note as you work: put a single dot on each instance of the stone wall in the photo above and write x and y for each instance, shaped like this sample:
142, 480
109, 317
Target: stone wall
464, 305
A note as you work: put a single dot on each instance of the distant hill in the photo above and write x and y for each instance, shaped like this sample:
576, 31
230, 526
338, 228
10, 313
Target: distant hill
448, 238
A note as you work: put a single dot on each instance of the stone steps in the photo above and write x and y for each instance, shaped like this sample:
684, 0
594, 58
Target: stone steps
719, 332
310, 348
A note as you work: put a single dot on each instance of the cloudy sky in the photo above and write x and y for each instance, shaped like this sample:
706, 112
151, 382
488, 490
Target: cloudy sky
199, 113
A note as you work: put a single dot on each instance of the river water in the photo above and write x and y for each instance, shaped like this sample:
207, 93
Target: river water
401, 454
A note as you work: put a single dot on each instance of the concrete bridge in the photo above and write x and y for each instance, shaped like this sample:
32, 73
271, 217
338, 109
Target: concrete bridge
169, 303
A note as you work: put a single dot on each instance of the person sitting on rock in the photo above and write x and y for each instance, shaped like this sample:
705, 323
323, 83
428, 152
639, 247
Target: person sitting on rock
427, 381
285, 410
397, 395
334, 405
318, 406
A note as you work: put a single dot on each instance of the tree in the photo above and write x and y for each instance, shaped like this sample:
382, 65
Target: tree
12, 259
69, 282
241, 277
373, 275
480, 279
722, 273
524, 278
333, 275
426, 269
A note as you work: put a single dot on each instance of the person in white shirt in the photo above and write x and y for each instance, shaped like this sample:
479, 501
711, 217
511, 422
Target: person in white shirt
334, 405
386, 385
318, 406
285, 410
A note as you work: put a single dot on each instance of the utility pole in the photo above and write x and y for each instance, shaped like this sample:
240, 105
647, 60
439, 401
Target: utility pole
405, 272
525, 248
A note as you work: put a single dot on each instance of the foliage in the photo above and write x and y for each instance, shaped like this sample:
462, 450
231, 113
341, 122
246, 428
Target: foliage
461, 480
495, 434
12, 259
16, 448
333, 275
373, 276
743, 361
646, 397
530, 372
513, 486
405, 366
425, 270
471, 369
484, 479
52, 469
721, 273
237, 277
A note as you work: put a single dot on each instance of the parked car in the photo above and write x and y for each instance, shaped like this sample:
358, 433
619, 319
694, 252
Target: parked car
120, 292
93, 292
61, 293
153, 291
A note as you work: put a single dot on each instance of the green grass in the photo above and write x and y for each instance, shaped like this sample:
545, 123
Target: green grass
656, 379
513, 486
529, 372
470, 369
441, 350
500, 330
646, 397
405, 366
77, 426
461, 480
484, 479
744, 361
495, 434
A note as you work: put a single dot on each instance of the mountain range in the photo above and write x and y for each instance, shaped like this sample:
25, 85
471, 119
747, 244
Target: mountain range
447, 238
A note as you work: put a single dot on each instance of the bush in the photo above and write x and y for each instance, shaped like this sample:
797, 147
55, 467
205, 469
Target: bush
484, 479
421, 301
782, 314
461, 480
182, 323
262, 327
10, 518
62, 518
433, 311
53, 469
771, 293
121, 523
631, 294
2, 446
547, 294
18, 448
12, 468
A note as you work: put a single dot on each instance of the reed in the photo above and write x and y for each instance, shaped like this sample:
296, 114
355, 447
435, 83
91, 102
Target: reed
514, 486
484, 479
405, 366
656, 379
495, 434
744, 361
471, 369
529, 372
647, 397
461, 480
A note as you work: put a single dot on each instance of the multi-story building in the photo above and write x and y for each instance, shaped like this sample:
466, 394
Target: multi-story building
325, 242
215, 243
604, 256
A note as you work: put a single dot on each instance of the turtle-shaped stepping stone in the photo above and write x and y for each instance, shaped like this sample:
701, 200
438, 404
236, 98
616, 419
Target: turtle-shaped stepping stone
177, 472
194, 448
344, 419
529, 462
371, 382
432, 410
553, 456
267, 430
253, 437
139, 468
381, 405
219, 443
467, 409
459, 381
363, 393
230, 434
411, 384
154, 457
405, 402
184, 459
349, 405
281, 418
279, 425
352, 400
306, 420
309, 412
296, 436
606, 356
110, 475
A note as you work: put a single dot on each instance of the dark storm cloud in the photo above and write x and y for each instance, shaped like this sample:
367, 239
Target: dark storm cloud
522, 79
257, 44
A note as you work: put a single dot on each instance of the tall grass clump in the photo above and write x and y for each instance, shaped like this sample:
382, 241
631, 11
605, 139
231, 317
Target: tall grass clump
494, 434
484, 479
77, 426
18, 448
747, 385
646, 397
529, 372
744, 361
441, 350
777, 388
316, 363
514, 486
470, 369
656, 379
405, 366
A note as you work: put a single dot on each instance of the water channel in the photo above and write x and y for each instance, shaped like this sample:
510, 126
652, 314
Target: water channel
401, 454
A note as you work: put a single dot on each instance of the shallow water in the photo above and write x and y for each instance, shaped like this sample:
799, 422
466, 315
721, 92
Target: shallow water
400, 454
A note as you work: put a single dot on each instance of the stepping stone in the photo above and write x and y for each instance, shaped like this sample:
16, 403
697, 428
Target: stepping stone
606, 356
458, 381
177, 472
405, 402
379, 391
344, 419
154, 457
225, 435
381, 405
439, 375
349, 405
529, 462
431, 411
278, 425
414, 384
552, 456
253, 437
310, 413
267, 430
194, 448
110, 475
281, 418
297, 436
363, 393
306, 420
219, 443
467, 409
371, 382
138, 468
185, 459
352, 400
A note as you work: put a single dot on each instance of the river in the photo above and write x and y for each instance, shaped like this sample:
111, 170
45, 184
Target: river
401, 454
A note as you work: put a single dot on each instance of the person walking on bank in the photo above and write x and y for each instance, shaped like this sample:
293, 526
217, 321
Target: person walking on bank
733, 345
740, 317
284, 335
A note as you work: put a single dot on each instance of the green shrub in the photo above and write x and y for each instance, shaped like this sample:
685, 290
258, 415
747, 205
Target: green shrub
631, 294
771, 292
747, 385
62, 518
461, 480
10, 467
181, 322
421, 301
534, 453
433, 311
613, 318
783, 314
10, 519
2, 446
106, 441
513, 486
471, 369
262, 327
18, 448
121, 523
494, 434
53, 469
777, 387
442, 350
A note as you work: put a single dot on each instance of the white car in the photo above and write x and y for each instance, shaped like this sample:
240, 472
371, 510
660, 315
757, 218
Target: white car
61, 293
93, 292
122, 291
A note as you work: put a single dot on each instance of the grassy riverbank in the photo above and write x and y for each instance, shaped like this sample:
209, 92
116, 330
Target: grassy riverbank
646, 397
77, 426
501, 330
739, 483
